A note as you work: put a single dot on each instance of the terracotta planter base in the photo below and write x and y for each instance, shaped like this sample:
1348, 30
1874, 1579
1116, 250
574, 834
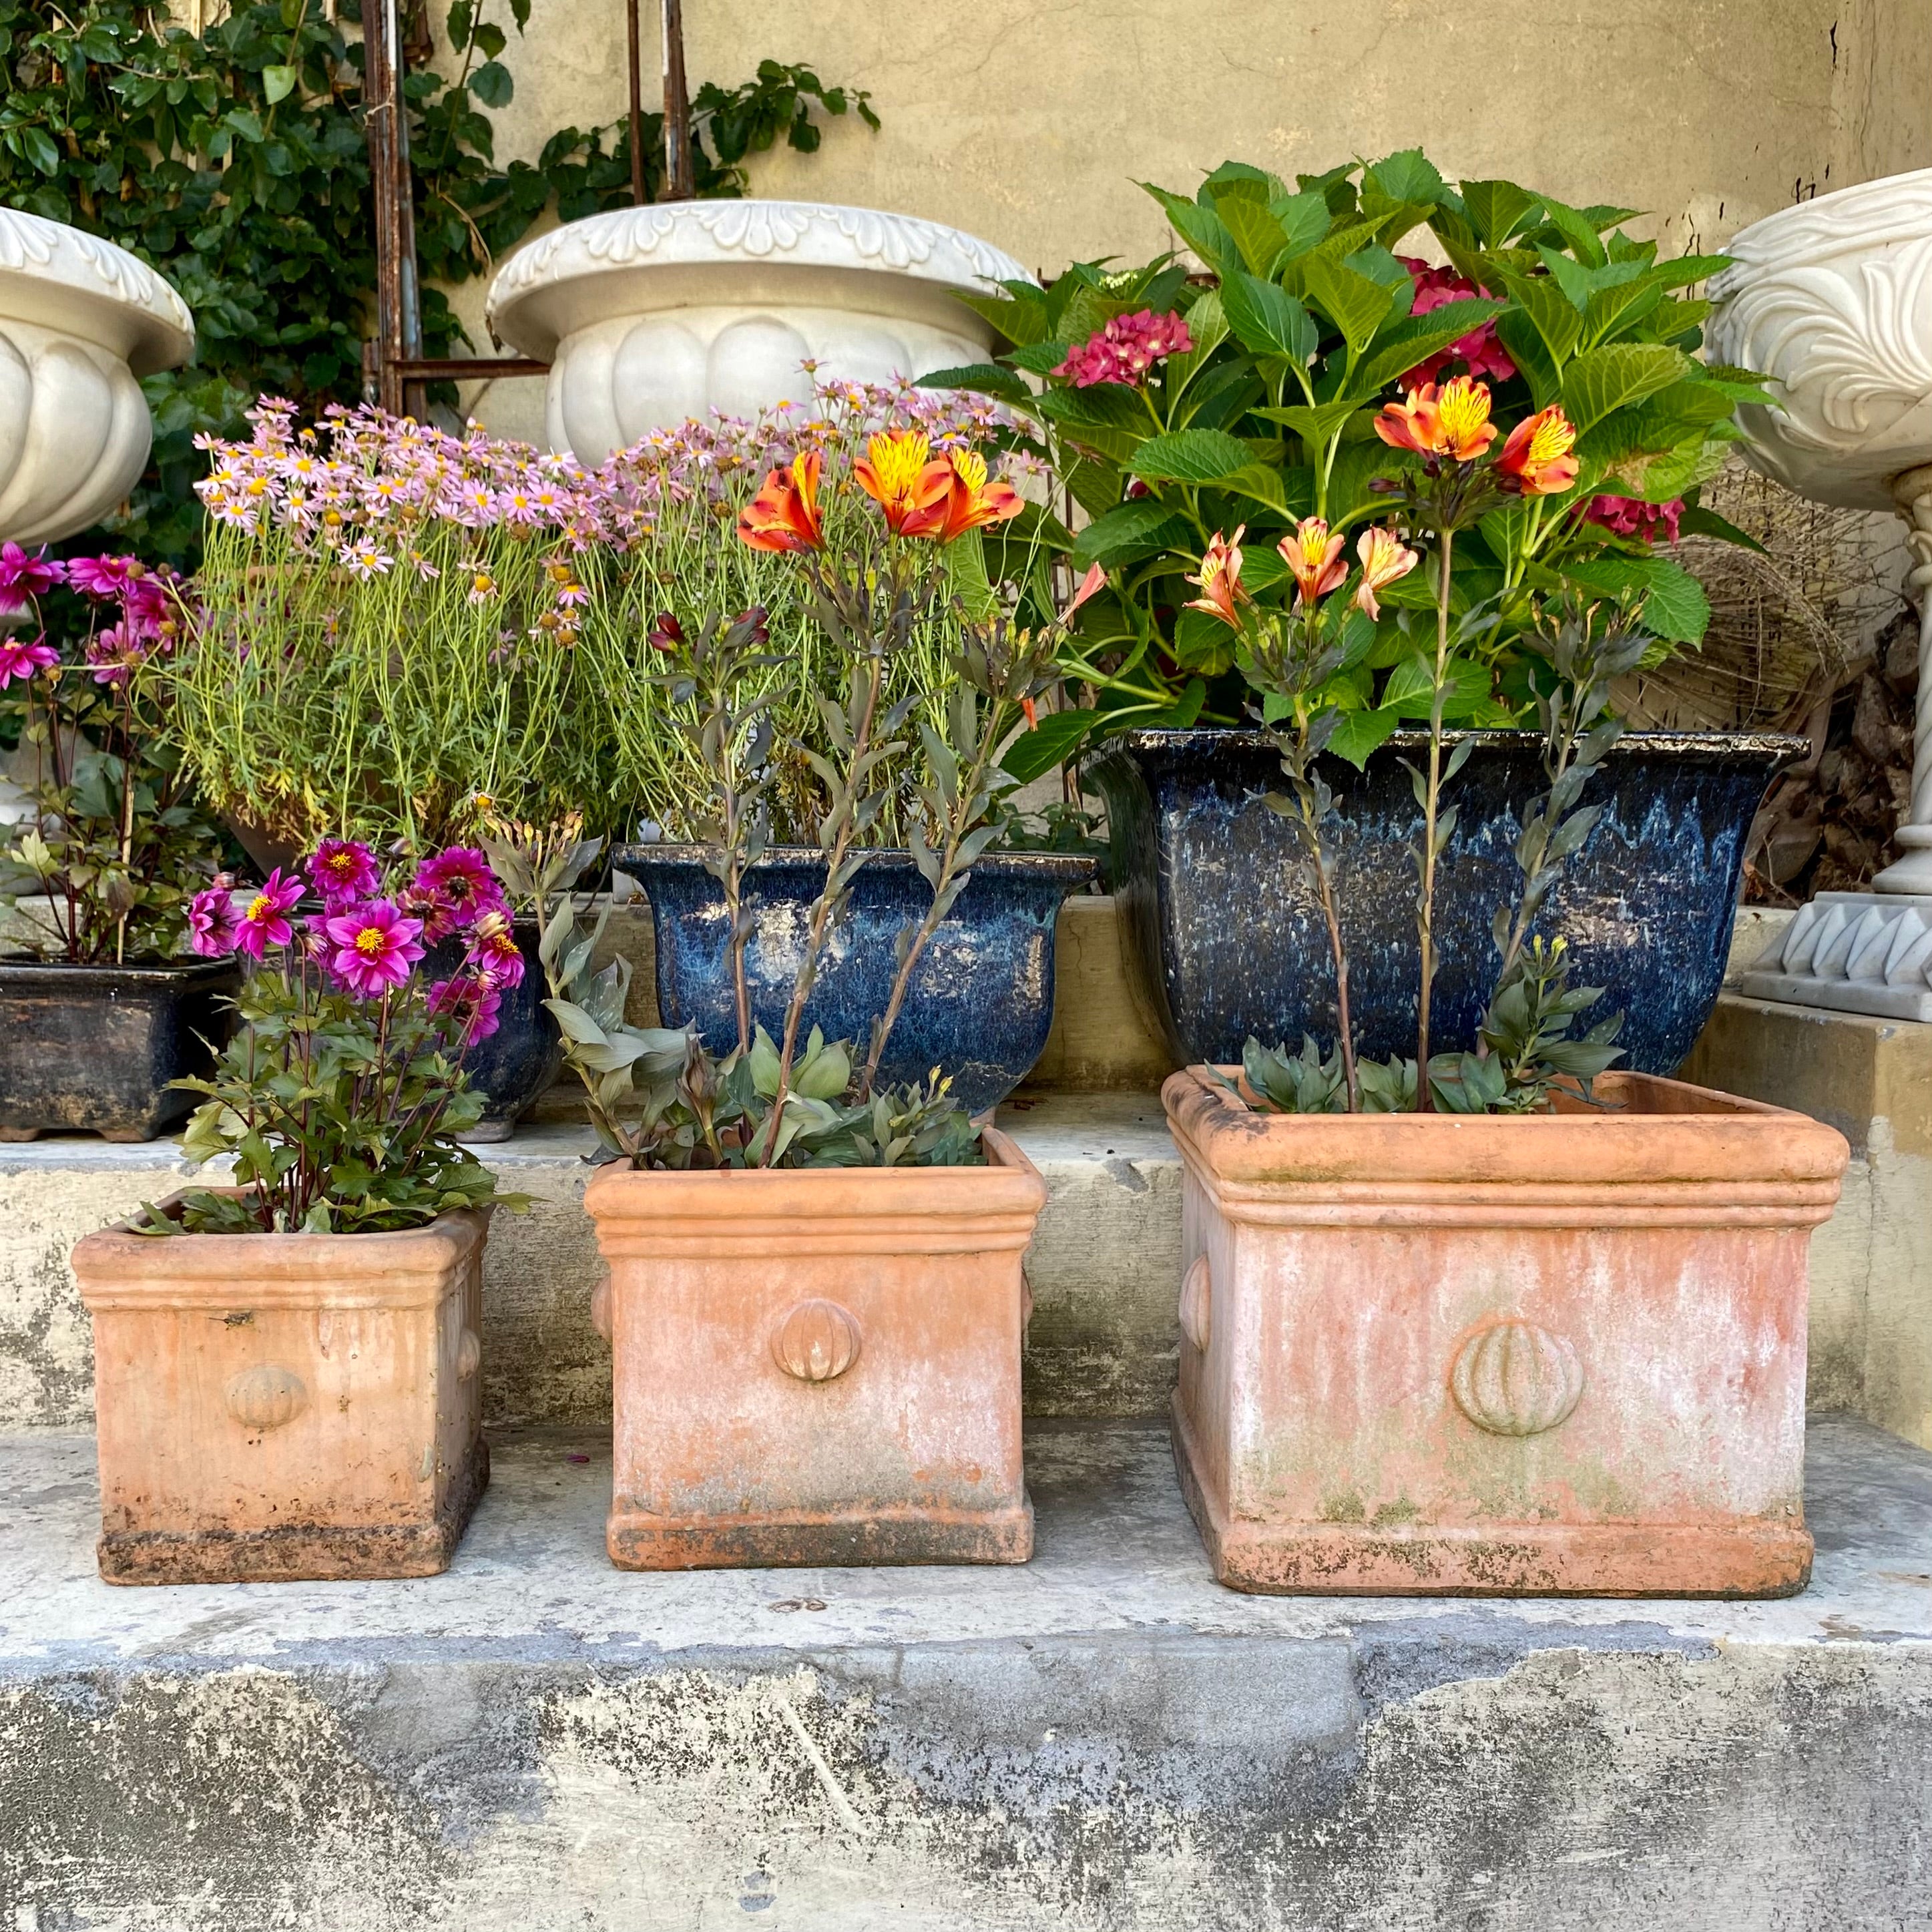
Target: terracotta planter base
300, 1553
1529, 1559
638, 1541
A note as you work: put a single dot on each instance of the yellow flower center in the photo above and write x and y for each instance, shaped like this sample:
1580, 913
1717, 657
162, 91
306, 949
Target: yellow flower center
259, 908
1553, 438
970, 466
1463, 409
898, 460
369, 941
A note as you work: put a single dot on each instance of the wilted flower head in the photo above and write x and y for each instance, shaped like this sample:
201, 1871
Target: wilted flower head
1126, 349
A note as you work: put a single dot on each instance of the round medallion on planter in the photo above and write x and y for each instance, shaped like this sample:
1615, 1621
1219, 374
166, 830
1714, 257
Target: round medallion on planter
648, 316
1515, 1379
1197, 1304
816, 1341
266, 1396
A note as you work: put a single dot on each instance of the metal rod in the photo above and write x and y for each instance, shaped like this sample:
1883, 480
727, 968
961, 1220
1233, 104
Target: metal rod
398, 308
680, 179
466, 368
638, 196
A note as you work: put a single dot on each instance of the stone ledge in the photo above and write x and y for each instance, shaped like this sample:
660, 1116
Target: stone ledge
1101, 1738
1105, 1266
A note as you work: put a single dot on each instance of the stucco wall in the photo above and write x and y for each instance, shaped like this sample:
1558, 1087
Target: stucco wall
1028, 121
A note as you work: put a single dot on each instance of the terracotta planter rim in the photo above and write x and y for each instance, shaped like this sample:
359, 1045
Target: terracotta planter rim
1721, 1143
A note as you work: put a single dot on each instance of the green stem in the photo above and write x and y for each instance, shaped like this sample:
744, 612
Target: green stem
1425, 1101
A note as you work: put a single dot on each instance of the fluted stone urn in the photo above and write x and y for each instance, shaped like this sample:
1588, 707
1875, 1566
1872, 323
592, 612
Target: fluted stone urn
80, 320
1832, 299
650, 316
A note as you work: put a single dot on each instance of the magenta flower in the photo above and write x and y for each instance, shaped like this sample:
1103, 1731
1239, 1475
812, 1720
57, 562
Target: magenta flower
265, 921
22, 575
473, 1003
453, 889
212, 928
1126, 349
493, 950
375, 946
100, 576
1480, 351
22, 661
115, 654
343, 870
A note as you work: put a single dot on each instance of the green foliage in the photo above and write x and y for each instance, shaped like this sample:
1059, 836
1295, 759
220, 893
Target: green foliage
340, 1115
236, 163
1303, 327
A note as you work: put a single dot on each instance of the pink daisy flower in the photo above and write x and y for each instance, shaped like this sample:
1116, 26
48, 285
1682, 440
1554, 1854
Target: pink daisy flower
375, 947
265, 920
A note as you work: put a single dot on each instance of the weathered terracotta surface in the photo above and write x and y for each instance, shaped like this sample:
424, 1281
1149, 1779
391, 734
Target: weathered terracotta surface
817, 1366
1562, 1354
274, 1406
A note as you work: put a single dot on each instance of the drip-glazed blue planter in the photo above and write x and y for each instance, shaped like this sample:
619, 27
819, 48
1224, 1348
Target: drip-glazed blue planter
1225, 934
981, 1000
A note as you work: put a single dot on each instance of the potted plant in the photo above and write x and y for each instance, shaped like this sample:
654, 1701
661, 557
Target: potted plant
1175, 405
815, 1299
1489, 1317
286, 1368
99, 1013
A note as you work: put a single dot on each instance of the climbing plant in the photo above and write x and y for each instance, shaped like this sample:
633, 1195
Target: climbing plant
234, 161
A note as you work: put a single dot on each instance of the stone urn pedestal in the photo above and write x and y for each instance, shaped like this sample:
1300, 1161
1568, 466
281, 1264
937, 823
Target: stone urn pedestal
650, 316
1832, 300
80, 320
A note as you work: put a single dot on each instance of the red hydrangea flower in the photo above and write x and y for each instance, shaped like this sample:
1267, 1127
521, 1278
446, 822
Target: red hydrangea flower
374, 946
1642, 523
22, 661
265, 921
344, 871
1126, 349
1481, 351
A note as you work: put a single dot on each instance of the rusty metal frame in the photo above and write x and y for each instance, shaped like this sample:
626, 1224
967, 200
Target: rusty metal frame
394, 366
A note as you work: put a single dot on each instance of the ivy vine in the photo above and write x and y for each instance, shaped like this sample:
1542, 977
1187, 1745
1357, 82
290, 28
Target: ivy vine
235, 162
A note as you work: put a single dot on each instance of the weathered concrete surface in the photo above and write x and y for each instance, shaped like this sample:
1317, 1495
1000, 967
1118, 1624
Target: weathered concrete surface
1105, 1266
1871, 1264
1100, 1739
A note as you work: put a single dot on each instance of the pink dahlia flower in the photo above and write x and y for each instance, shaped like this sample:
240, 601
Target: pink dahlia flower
23, 574
473, 1002
22, 661
493, 950
100, 576
265, 920
344, 871
453, 889
213, 929
375, 945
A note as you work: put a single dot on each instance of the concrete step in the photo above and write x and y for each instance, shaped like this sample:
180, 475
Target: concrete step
1101, 1738
1105, 1266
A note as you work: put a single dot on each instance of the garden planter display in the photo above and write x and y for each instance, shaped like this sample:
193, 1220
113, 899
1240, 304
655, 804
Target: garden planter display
651, 316
980, 1004
817, 1366
92, 1048
80, 320
275, 1406
1224, 935
517, 1061
1556, 1354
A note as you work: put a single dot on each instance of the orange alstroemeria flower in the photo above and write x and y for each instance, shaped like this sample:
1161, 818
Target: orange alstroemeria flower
1221, 591
1452, 422
1315, 558
1536, 459
784, 515
1384, 558
900, 473
971, 501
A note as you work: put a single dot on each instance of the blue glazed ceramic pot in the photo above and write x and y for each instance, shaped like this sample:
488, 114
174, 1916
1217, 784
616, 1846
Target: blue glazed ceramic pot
524, 1054
1224, 935
981, 1000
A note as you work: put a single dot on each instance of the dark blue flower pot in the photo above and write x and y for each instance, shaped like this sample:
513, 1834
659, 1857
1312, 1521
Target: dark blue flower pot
524, 1054
981, 1000
1226, 936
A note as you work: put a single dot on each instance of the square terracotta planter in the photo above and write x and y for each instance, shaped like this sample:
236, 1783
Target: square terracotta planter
276, 1406
817, 1366
1562, 1354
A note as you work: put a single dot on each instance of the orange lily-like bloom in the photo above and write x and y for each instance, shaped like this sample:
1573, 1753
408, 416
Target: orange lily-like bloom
1315, 557
1384, 558
1536, 459
900, 473
1452, 422
784, 515
1221, 591
969, 501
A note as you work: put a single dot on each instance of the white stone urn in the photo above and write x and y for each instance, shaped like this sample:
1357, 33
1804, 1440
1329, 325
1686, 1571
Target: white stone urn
80, 320
1832, 300
650, 316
